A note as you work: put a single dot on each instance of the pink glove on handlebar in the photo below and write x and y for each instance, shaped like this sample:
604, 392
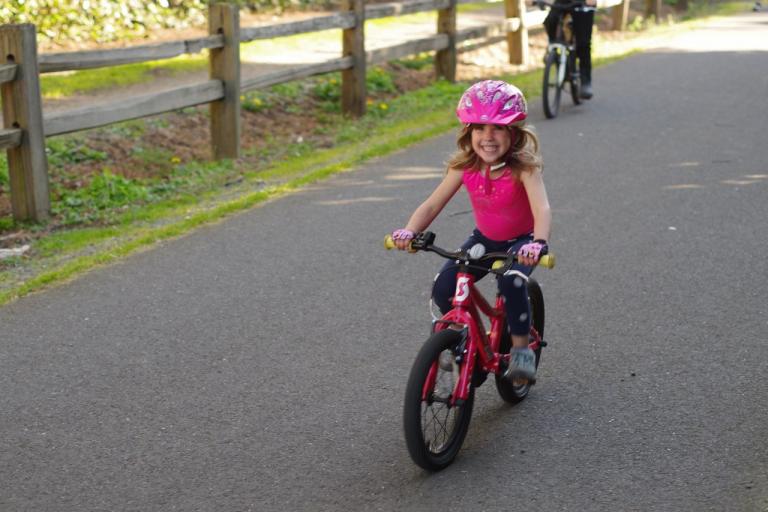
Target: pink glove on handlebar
534, 250
402, 234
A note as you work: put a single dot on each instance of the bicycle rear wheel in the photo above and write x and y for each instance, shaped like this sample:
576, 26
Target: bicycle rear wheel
508, 390
552, 87
435, 429
574, 77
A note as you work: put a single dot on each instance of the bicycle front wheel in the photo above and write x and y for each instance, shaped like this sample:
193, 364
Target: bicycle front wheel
574, 77
510, 391
552, 86
434, 428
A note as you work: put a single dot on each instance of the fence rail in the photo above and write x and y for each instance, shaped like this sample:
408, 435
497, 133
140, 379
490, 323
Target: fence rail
7, 72
133, 108
25, 126
10, 138
89, 59
296, 73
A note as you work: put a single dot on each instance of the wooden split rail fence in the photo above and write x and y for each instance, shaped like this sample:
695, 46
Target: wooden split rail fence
26, 126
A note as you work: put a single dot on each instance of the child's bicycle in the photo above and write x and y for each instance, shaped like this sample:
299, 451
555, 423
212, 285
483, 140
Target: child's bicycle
459, 355
561, 64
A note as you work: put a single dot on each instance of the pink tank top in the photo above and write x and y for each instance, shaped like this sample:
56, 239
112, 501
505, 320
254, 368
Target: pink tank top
502, 210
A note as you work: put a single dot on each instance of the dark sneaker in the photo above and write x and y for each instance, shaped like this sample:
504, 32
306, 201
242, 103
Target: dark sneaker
522, 364
585, 92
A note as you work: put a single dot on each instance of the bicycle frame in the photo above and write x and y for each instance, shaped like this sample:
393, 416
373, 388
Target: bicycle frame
468, 304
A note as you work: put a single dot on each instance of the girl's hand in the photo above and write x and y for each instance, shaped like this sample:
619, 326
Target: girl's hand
402, 238
530, 253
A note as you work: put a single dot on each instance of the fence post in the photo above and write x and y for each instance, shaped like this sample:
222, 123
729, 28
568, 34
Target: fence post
653, 8
224, 65
22, 108
445, 60
517, 41
620, 14
353, 88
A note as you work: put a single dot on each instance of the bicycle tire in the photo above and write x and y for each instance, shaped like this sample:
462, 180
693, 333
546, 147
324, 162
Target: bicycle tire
551, 87
509, 392
574, 77
420, 417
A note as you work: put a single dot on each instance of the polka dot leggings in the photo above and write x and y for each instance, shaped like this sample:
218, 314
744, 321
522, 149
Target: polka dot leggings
511, 285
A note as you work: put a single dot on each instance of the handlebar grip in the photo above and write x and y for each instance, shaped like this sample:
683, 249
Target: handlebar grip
547, 261
389, 244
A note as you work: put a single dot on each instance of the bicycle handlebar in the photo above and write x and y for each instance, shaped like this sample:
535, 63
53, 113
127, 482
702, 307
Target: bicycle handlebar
424, 242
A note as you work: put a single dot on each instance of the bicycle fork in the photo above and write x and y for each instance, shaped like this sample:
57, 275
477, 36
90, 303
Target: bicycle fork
562, 54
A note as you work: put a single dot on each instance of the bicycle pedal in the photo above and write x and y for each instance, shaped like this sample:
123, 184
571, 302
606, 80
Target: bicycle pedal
543, 343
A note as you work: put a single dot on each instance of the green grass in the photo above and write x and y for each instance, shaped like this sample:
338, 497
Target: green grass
57, 85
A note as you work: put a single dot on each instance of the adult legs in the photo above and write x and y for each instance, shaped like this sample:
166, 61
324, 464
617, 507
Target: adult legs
582, 32
550, 25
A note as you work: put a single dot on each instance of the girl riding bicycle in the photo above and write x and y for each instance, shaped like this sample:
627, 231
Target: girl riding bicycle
499, 164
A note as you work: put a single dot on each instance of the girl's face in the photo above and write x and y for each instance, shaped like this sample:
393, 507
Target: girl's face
491, 142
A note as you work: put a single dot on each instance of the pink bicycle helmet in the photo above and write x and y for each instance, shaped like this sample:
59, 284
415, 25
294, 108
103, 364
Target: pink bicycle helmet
492, 102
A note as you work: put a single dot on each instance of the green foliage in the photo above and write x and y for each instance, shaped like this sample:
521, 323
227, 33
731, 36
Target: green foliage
637, 24
328, 88
253, 102
418, 62
152, 156
102, 20
112, 20
105, 192
4, 179
379, 81
64, 151
278, 96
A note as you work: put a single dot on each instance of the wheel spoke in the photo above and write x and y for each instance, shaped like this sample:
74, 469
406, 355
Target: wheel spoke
434, 426
438, 416
437, 427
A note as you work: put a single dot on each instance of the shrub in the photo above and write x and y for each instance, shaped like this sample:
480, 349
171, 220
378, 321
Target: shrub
111, 20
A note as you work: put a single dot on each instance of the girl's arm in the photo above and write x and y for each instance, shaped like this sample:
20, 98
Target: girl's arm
537, 197
427, 211
423, 216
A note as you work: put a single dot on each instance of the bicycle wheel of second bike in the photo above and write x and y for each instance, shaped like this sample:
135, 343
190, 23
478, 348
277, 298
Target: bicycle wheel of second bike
574, 77
551, 87
435, 429
509, 391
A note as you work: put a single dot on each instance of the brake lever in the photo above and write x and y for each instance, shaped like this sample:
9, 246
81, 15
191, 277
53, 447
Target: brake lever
422, 240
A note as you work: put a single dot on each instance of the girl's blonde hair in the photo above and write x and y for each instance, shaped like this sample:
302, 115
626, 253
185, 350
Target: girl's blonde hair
523, 155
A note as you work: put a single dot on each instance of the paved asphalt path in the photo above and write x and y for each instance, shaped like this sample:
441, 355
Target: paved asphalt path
260, 363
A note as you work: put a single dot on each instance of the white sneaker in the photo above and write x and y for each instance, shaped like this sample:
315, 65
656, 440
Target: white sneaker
522, 364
